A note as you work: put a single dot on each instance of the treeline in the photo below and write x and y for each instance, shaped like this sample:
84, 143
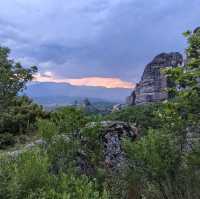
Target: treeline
162, 163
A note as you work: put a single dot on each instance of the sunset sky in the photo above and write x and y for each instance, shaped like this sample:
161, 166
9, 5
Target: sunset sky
94, 42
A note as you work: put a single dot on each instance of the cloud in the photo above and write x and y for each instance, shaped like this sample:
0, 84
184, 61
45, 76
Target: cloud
95, 38
87, 81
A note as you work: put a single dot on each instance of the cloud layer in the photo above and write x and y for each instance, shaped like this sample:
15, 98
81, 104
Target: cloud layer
95, 38
87, 81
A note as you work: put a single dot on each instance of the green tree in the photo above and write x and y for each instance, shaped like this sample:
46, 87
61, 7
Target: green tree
13, 78
17, 113
187, 79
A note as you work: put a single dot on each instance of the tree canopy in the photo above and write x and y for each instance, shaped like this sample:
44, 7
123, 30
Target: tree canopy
13, 77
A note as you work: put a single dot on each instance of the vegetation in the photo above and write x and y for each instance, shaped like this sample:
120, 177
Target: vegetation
18, 114
163, 163
166, 160
142, 116
29, 177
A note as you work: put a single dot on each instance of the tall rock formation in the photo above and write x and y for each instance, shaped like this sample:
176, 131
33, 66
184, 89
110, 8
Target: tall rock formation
153, 84
88, 106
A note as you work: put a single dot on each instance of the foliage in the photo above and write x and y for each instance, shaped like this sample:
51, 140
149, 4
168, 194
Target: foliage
6, 139
28, 177
155, 158
70, 139
13, 78
18, 114
142, 116
69, 119
20, 117
165, 161
47, 129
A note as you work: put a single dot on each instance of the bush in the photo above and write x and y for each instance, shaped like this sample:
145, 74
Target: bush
6, 140
26, 174
29, 176
158, 162
47, 129
143, 116
69, 120
20, 117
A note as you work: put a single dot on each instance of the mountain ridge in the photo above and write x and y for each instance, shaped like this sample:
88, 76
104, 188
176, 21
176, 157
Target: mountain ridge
56, 91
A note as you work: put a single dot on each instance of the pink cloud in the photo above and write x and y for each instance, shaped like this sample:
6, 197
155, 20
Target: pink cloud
86, 81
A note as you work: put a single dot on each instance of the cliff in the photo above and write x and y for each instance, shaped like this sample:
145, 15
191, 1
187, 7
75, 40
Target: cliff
153, 84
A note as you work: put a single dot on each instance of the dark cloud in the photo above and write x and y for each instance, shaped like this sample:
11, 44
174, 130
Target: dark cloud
110, 38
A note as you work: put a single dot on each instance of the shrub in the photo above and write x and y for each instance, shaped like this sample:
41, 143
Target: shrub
29, 176
28, 173
47, 129
20, 117
142, 116
69, 120
6, 140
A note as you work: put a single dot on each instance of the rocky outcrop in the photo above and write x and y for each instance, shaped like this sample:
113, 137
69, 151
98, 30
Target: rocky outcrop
153, 84
88, 107
114, 132
130, 100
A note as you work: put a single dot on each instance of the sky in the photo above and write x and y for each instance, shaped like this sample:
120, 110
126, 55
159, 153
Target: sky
94, 42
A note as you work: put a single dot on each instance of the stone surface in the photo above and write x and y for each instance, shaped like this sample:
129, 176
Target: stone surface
130, 100
153, 84
118, 107
30, 146
114, 132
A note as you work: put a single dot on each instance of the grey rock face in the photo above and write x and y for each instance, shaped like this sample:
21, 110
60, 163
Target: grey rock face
153, 84
130, 100
114, 132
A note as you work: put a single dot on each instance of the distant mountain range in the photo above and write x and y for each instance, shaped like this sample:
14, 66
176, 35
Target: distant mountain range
52, 94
